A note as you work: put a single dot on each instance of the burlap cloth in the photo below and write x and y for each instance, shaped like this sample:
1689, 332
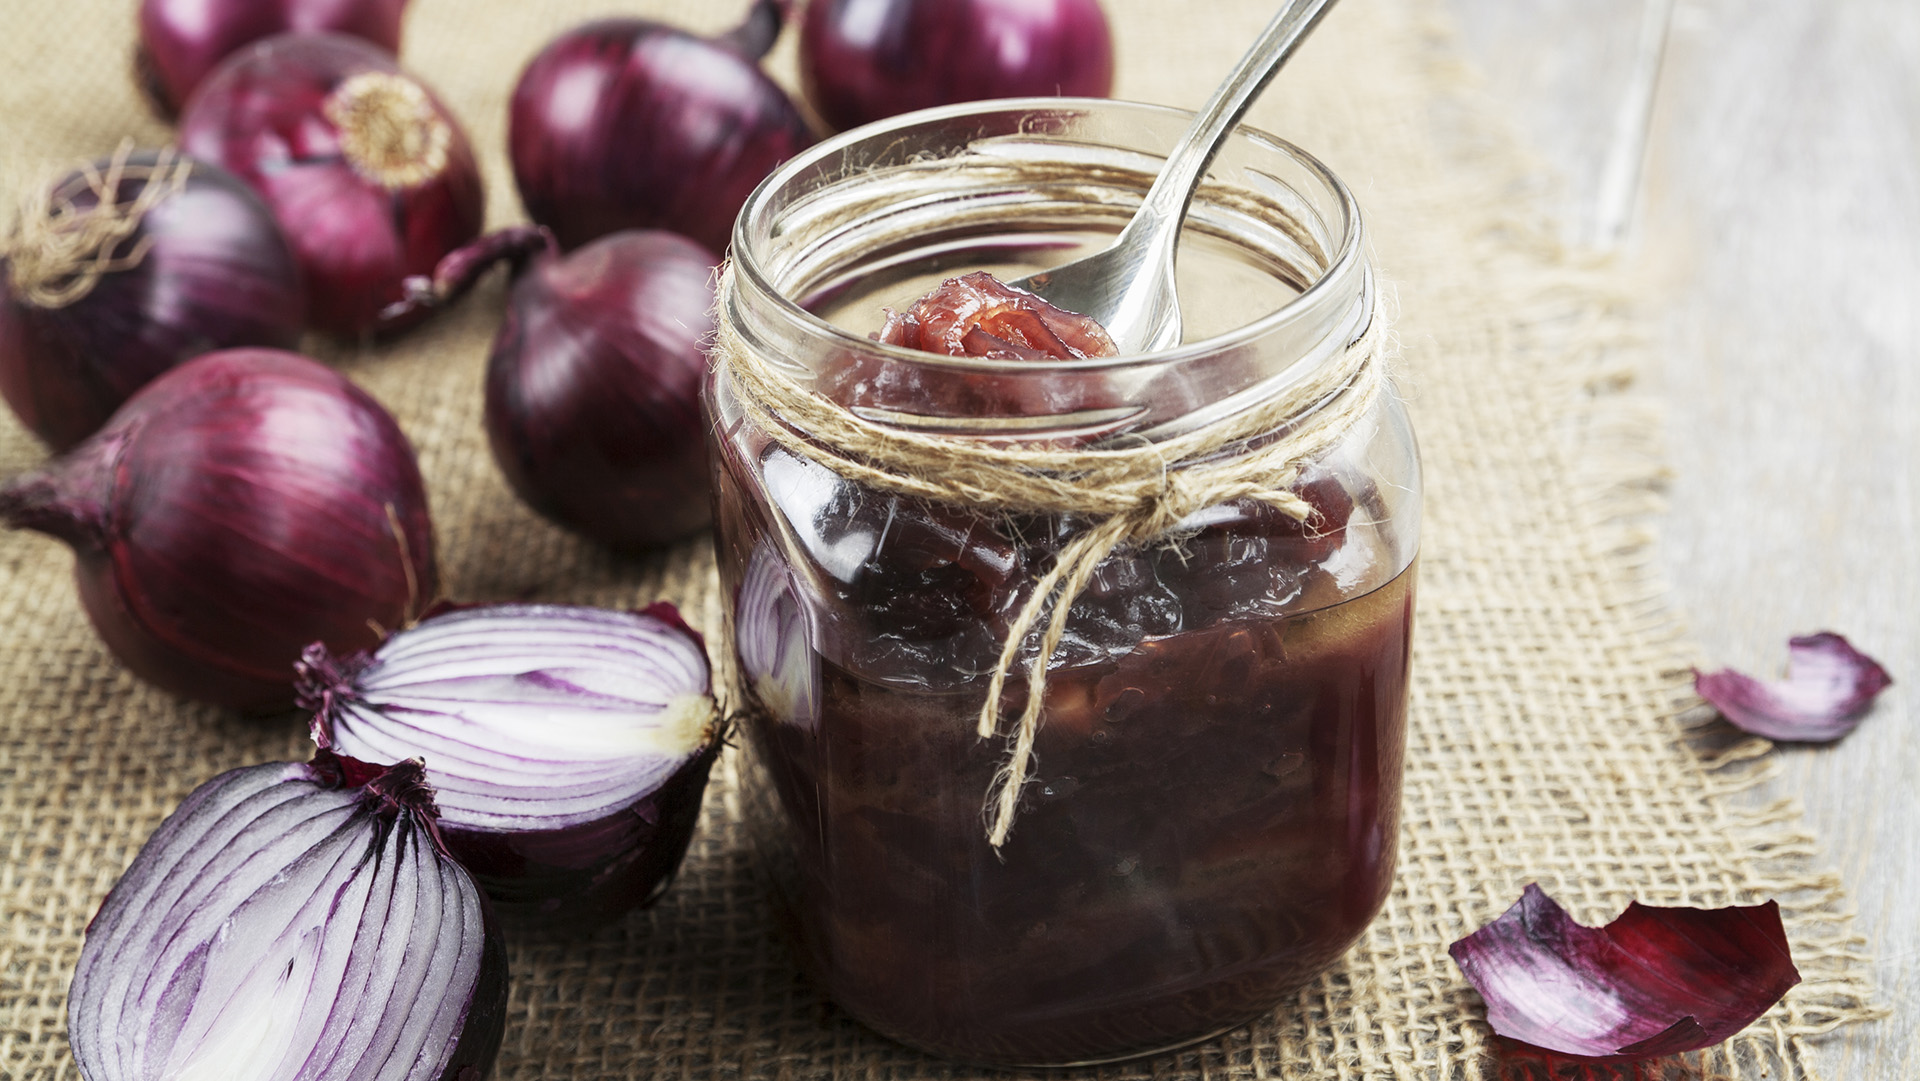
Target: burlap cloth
1549, 741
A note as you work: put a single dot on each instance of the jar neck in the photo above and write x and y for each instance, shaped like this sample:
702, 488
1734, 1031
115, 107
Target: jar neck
1273, 250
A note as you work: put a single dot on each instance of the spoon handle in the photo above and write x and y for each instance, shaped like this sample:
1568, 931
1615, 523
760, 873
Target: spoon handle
1173, 190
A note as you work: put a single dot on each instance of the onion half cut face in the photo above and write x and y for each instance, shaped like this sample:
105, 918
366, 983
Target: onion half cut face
569, 746
292, 920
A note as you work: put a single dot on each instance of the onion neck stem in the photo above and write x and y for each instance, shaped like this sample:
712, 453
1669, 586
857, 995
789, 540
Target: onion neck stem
68, 498
760, 29
460, 269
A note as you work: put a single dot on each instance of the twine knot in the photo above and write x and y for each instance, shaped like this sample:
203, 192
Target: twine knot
1131, 495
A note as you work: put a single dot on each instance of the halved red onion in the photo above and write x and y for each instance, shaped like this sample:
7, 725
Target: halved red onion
774, 643
1656, 981
1829, 686
293, 920
569, 746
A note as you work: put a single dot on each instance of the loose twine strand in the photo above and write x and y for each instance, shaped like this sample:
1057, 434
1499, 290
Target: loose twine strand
1135, 494
60, 250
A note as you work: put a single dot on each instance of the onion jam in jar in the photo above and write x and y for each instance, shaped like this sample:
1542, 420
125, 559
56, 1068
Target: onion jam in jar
1206, 812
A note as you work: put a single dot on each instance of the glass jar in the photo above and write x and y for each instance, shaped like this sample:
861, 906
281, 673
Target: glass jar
1211, 809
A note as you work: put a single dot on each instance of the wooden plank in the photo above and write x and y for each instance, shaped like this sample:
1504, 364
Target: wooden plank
1779, 220
1783, 207
1578, 75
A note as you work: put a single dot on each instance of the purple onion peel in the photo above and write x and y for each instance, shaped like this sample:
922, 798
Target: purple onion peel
569, 746
293, 920
1829, 687
1656, 981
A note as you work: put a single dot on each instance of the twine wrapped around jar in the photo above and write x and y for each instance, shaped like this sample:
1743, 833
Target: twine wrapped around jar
1134, 494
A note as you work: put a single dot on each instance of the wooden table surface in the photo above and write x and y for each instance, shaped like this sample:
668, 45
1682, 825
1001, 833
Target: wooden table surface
1758, 161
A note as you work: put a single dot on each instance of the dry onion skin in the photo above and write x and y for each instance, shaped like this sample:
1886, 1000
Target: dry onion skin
293, 920
1656, 981
1830, 685
569, 746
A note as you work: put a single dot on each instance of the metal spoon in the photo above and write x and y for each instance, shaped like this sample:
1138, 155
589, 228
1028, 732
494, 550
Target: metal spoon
1128, 286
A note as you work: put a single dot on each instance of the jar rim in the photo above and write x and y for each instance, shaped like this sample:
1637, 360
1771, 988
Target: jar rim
1346, 257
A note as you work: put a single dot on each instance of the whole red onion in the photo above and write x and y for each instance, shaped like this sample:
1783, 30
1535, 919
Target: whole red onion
236, 509
293, 922
863, 60
182, 40
593, 388
139, 261
629, 124
370, 176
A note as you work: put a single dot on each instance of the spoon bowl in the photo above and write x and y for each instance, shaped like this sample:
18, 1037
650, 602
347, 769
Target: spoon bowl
1128, 287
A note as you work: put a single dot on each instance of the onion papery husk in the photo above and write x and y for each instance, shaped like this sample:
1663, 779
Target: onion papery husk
1656, 981
570, 746
293, 920
1829, 688
124, 269
234, 510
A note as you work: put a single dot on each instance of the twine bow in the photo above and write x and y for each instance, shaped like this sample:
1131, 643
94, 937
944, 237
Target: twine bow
1133, 494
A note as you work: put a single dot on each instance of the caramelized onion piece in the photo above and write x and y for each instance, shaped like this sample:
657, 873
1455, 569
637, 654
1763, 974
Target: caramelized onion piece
1829, 686
1656, 981
978, 315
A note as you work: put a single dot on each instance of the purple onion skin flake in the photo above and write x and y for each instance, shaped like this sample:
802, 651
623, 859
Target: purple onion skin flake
569, 746
1830, 685
1656, 981
293, 920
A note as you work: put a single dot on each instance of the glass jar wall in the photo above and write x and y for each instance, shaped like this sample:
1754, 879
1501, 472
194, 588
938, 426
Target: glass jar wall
1212, 809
